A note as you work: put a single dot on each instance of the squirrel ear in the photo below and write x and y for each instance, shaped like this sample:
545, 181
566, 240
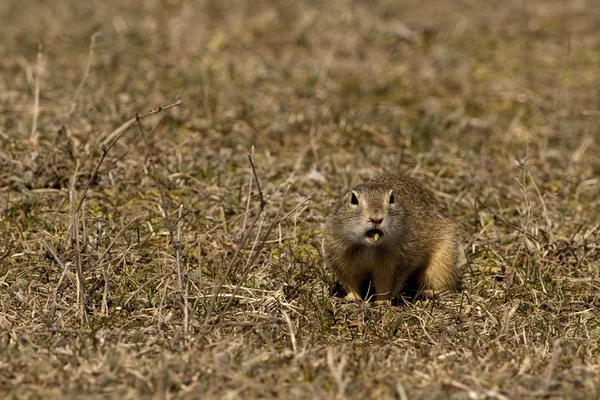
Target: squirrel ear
392, 199
354, 199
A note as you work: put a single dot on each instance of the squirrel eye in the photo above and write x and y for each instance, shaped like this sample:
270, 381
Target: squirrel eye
354, 199
392, 199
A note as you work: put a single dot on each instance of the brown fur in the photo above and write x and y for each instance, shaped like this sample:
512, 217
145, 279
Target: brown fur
417, 241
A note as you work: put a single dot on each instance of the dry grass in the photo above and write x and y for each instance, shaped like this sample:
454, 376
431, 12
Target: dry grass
173, 278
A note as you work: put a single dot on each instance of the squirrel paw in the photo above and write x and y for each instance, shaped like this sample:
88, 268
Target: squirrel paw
352, 297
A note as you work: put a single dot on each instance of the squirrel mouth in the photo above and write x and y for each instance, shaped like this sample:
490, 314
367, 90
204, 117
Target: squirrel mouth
373, 235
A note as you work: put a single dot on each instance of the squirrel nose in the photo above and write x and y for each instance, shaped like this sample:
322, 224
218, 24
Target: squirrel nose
376, 220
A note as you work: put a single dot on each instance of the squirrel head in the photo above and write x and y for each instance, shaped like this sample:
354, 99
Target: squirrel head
370, 214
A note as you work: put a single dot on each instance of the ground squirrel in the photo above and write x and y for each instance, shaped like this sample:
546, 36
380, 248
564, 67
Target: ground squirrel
388, 232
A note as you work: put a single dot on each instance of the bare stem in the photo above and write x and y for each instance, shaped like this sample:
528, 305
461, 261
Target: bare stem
36, 104
262, 199
249, 193
182, 284
237, 251
110, 141
77, 250
152, 167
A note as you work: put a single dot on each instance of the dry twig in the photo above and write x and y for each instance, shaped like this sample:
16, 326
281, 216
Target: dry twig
112, 139
237, 252
76, 246
36, 105
180, 276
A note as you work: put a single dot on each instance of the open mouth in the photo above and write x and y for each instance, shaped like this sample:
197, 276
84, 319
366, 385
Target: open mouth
373, 235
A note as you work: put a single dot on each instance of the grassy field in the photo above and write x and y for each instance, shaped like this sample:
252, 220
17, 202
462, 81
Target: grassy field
144, 263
